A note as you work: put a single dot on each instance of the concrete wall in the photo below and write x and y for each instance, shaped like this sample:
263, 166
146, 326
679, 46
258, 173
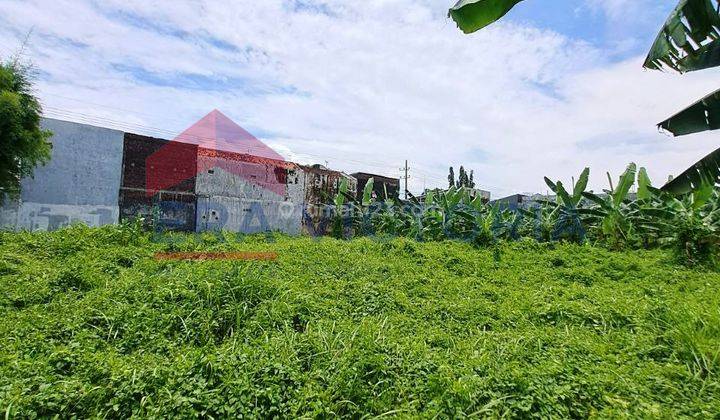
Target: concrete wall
241, 193
158, 182
99, 176
80, 183
321, 187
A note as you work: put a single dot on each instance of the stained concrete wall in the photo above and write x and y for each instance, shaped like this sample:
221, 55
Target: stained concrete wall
242, 193
321, 187
158, 182
99, 176
80, 183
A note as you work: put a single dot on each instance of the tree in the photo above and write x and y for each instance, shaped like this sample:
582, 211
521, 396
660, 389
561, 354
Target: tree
471, 182
451, 178
23, 144
462, 177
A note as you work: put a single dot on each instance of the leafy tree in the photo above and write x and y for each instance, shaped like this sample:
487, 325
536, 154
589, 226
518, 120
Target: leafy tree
23, 144
451, 178
471, 181
462, 177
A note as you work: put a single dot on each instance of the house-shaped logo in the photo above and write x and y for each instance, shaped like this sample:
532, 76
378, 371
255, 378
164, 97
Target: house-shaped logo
216, 143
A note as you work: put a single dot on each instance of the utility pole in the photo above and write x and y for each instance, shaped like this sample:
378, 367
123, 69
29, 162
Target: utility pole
405, 169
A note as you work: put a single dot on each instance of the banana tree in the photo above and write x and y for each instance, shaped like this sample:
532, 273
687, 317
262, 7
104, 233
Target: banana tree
568, 225
338, 227
690, 223
441, 219
352, 215
612, 216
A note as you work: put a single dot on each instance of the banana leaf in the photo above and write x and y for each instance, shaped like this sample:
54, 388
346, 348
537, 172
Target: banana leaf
563, 194
473, 15
627, 179
707, 170
581, 185
342, 191
644, 185
689, 40
597, 200
367, 192
703, 115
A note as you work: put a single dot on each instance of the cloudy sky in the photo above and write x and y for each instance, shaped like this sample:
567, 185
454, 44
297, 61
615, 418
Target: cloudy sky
363, 85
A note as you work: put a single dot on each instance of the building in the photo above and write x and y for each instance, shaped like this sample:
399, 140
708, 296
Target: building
383, 187
484, 195
512, 202
213, 176
80, 183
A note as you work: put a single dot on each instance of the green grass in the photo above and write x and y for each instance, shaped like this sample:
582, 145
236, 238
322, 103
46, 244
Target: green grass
92, 326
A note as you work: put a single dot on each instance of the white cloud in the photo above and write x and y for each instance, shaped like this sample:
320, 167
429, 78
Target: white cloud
362, 85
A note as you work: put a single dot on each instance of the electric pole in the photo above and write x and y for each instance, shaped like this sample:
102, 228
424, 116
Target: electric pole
405, 169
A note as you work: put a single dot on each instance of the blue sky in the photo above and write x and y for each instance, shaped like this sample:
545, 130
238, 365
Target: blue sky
555, 86
623, 29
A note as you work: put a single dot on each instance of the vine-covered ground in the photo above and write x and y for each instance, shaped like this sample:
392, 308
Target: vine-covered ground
92, 325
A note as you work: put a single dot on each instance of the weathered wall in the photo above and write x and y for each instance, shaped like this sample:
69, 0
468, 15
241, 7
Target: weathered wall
321, 187
158, 182
99, 176
80, 183
381, 185
248, 194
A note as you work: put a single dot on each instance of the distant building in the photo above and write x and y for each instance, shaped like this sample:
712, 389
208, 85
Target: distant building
512, 202
383, 186
484, 195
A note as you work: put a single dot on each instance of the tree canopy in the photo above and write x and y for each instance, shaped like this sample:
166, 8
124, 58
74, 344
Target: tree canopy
23, 144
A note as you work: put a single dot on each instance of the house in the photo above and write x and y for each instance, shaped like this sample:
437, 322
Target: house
383, 186
512, 202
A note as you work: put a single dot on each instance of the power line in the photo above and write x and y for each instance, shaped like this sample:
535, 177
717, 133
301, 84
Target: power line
52, 111
167, 132
161, 132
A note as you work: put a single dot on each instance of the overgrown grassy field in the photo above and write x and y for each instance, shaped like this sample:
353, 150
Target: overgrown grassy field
91, 325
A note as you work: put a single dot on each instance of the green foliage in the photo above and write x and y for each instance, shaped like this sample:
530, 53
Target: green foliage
93, 326
367, 192
611, 218
24, 145
689, 39
644, 185
465, 179
688, 224
473, 15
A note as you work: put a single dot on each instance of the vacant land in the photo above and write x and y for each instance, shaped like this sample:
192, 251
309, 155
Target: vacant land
92, 325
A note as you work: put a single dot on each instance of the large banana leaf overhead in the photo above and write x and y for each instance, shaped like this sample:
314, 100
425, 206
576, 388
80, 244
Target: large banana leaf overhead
705, 172
689, 40
473, 15
703, 115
